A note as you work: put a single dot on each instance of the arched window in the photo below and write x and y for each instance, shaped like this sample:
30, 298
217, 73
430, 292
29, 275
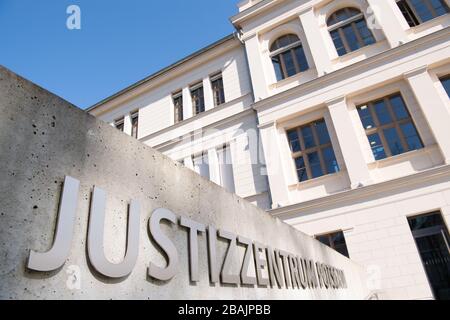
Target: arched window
288, 57
349, 31
420, 11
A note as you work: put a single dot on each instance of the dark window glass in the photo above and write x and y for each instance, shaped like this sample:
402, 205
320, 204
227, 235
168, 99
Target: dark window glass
349, 30
420, 11
330, 160
377, 146
312, 151
301, 169
446, 83
366, 117
134, 125
314, 163
198, 100
119, 124
411, 136
178, 107
389, 127
382, 112
393, 139
294, 141
288, 57
308, 137
218, 90
336, 241
432, 240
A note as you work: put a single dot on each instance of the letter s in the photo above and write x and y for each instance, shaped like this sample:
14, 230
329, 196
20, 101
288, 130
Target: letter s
167, 273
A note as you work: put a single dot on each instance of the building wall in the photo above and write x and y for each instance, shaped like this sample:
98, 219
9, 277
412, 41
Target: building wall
403, 59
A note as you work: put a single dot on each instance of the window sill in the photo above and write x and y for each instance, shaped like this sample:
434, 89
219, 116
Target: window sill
361, 52
317, 181
429, 24
308, 74
402, 157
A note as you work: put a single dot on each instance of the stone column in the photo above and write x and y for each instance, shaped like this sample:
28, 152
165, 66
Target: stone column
256, 67
207, 91
214, 168
277, 182
127, 124
316, 44
352, 153
388, 16
187, 104
433, 107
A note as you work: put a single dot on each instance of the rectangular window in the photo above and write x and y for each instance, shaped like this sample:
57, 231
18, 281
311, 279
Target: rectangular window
432, 241
177, 99
134, 124
420, 11
201, 165
119, 124
218, 90
198, 98
446, 83
312, 151
389, 127
336, 241
226, 169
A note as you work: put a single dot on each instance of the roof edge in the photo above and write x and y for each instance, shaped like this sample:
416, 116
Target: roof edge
164, 70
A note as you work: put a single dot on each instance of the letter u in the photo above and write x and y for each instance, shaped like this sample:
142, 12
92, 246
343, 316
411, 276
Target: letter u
96, 237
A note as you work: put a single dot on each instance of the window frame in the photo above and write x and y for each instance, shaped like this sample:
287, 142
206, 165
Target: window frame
278, 53
178, 115
417, 18
196, 110
379, 128
219, 91
119, 124
331, 242
441, 80
304, 152
339, 26
135, 124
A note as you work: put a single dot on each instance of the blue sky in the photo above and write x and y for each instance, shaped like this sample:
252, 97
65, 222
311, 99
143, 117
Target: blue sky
120, 41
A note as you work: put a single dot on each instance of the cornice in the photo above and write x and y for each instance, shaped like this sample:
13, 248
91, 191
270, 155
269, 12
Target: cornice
324, 203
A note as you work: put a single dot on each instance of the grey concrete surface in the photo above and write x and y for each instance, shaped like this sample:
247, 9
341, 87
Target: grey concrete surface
44, 138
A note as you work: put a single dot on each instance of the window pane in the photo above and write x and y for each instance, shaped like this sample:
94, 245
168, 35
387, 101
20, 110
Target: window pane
301, 58
440, 7
314, 163
308, 137
422, 10
294, 141
366, 117
277, 66
301, 169
446, 84
411, 136
324, 239
322, 132
399, 107
408, 13
365, 33
288, 63
198, 100
338, 43
393, 140
339, 244
201, 166
330, 160
425, 221
382, 112
377, 147
219, 95
351, 38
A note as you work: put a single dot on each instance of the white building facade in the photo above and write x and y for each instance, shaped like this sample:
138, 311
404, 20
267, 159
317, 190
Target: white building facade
332, 115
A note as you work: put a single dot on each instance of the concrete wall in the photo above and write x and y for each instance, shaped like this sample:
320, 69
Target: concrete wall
43, 139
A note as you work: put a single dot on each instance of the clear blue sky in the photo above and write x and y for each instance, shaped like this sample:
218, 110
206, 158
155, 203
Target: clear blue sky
120, 41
